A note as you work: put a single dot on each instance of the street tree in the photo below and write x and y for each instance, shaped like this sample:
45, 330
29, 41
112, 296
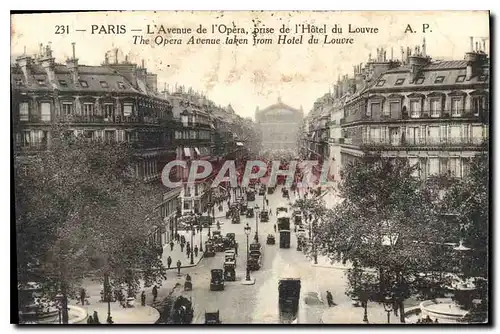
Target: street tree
79, 208
385, 222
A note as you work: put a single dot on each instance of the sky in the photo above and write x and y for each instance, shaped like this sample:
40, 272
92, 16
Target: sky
248, 76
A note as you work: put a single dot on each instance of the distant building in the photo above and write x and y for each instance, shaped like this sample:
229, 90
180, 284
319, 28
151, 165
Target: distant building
279, 125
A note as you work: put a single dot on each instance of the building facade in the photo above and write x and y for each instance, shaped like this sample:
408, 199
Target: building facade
279, 124
434, 113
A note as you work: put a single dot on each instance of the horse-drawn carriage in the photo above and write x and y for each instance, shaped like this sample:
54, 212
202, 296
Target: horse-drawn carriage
212, 318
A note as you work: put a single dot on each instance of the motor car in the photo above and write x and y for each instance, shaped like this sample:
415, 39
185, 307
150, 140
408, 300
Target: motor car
271, 240
212, 318
254, 261
217, 280
264, 216
250, 213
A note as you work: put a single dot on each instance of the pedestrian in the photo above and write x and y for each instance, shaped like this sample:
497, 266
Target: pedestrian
267, 202
110, 320
274, 228
171, 245
96, 318
182, 247
178, 267
236, 248
218, 225
196, 250
188, 247
143, 298
169, 261
270, 212
188, 253
155, 293
329, 299
82, 296
90, 320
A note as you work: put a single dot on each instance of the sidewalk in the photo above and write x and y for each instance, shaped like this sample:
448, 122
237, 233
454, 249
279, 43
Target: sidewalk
325, 262
176, 254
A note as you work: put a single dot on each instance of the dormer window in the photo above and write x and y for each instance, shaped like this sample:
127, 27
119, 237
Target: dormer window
419, 81
63, 83
41, 82
439, 79
380, 83
399, 82
84, 84
104, 84
121, 85
460, 78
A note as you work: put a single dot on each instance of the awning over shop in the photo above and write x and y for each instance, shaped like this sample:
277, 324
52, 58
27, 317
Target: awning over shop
187, 152
238, 143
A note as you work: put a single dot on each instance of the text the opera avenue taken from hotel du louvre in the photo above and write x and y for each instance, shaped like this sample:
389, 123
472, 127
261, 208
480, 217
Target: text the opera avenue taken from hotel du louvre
251, 167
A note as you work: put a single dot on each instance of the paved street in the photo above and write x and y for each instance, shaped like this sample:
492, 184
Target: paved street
258, 303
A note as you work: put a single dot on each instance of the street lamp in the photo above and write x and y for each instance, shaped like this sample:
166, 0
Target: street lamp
201, 234
256, 208
192, 239
247, 229
388, 307
107, 294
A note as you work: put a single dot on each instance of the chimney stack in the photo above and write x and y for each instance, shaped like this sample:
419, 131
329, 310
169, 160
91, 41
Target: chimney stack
48, 63
142, 63
424, 49
72, 64
25, 63
116, 56
471, 45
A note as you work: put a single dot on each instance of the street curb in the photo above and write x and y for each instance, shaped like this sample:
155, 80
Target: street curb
330, 267
189, 266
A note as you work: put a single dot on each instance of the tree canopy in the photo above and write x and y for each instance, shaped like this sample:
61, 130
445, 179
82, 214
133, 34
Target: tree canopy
79, 208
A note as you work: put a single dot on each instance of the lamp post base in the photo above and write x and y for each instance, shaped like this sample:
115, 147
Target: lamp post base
250, 282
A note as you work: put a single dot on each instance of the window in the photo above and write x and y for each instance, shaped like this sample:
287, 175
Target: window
41, 82
104, 84
455, 167
433, 135
45, 111
24, 113
483, 77
439, 79
380, 83
460, 78
394, 136
478, 104
63, 83
394, 108
456, 106
399, 82
374, 135
415, 107
67, 108
435, 107
109, 109
127, 109
419, 81
84, 84
109, 136
415, 164
88, 134
88, 109
374, 109
433, 166
121, 85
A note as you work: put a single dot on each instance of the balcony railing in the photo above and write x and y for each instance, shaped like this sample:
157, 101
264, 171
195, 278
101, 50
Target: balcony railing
30, 147
419, 142
115, 119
